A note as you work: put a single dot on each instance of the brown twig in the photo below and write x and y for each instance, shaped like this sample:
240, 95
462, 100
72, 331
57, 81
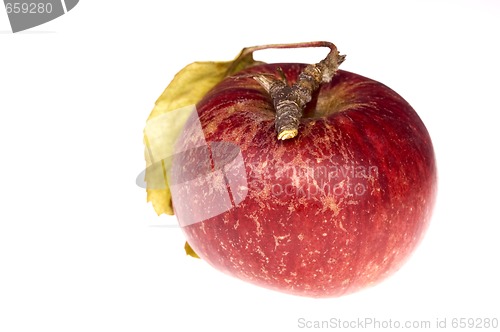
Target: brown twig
289, 101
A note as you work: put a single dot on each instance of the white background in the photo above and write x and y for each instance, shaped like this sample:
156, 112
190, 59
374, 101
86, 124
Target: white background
80, 250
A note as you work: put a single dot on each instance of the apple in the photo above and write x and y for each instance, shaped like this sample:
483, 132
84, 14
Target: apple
336, 209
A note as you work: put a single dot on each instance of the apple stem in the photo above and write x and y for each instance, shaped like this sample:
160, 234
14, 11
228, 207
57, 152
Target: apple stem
290, 100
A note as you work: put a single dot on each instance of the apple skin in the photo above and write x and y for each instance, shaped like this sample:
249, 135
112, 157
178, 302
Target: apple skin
334, 210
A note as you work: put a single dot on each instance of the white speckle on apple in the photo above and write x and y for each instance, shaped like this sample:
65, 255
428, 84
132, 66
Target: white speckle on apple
277, 240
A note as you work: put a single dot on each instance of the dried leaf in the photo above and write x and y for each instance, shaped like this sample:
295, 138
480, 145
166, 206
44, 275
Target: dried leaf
190, 251
163, 127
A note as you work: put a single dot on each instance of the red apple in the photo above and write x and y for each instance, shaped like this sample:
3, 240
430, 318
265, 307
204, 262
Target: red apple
338, 208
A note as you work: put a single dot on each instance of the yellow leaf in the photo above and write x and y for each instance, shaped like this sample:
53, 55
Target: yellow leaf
169, 115
190, 251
